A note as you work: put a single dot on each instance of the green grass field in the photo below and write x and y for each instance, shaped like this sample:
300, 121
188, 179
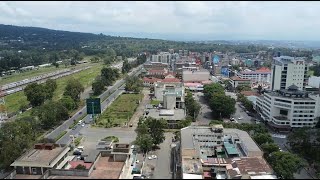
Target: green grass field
86, 78
119, 111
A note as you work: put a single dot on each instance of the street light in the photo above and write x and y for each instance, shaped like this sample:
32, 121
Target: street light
92, 111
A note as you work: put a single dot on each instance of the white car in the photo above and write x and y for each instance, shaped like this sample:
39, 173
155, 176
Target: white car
149, 157
82, 124
154, 156
239, 118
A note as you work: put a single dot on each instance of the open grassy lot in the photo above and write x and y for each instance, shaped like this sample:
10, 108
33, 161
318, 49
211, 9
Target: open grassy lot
86, 77
119, 111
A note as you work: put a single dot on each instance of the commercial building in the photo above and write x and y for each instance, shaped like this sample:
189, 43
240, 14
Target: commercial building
41, 158
220, 153
289, 108
262, 75
195, 76
162, 57
287, 71
237, 81
155, 65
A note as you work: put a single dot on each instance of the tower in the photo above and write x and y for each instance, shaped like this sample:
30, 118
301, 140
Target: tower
3, 110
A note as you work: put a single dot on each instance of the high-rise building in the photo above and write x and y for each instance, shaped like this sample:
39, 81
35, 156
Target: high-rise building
287, 71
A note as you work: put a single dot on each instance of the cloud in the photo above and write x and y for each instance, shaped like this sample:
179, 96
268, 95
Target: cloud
219, 20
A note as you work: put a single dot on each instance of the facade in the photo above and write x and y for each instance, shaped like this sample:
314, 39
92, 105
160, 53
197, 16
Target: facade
314, 81
287, 71
262, 75
218, 153
155, 65
236, 81
162, 57
195, 75
38, 160
289, 108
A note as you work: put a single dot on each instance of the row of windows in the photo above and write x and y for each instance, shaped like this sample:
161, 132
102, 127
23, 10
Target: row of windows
283, 105
207, 135
281, 100
302, 119
304, 107
303, 111
304, 103
302, 115
310, 124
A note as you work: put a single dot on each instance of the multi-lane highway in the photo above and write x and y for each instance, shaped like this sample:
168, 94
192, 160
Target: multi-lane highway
107, 98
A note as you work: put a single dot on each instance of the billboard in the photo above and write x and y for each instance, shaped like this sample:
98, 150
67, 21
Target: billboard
93, 106
225, 71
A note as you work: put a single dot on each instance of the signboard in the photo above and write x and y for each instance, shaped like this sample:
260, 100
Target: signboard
93, 106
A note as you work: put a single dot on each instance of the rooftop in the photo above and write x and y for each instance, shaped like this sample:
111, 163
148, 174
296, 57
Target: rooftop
41, 157
249, 93
176, 114
253, 165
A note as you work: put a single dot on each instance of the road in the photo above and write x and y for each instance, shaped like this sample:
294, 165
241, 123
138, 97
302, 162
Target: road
205, 114
240, 113
65, 126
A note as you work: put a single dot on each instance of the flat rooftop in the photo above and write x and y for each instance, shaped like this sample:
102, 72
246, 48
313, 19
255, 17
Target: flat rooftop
175, 114
40, 157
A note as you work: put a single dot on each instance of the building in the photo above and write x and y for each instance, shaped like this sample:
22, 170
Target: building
149, 82
41, 158
155, 65
157, 73
219, 153
237, 81
314, 81
262, 75
162, 57
289, 108
287, 71
195, 76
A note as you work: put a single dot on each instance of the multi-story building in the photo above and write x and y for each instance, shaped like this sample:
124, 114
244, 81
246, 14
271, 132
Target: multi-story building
163, 57
155, 65
262, 75
220, 153
194, 76
287, 71
237, 81
289, 108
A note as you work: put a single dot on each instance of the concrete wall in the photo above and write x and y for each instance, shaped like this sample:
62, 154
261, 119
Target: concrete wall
120, 157
67, 172
169, 101
94, 164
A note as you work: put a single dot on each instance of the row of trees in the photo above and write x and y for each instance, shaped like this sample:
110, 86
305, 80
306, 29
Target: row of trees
133, 84
192, 106
107, 77
306, 142
246, 103
285, 164
150, 133
221, 105
19, 135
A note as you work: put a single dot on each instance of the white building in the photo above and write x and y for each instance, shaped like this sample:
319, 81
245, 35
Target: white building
314, 81
289, 108
287, 71
262, 75
163, 57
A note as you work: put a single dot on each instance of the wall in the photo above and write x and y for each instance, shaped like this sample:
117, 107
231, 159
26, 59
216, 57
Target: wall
314, 81
67, 172
120, 157
94, 164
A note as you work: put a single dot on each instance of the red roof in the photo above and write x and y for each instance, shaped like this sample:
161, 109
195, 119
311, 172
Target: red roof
170, 80
263, 69
74, 164
151, 80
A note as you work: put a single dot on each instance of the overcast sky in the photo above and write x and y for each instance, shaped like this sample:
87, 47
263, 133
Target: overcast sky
189, 20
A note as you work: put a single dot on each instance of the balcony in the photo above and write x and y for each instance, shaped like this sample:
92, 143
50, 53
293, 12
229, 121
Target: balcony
280, 118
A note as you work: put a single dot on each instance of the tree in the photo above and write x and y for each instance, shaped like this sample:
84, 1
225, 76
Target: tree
241, 88
285, 164
133, 83
156, 129
262, 138
36, 94
95, 59
259, 89
192, 106
80, 167
50, 86
73, 89
222, 105
126, 67
269, 148
210, 89
97, 87
185, 123
51, 113
142, 128
68, 103
145, 142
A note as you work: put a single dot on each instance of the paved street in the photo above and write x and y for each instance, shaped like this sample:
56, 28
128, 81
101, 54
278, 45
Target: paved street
205, 114
162, 163
69, 122
240, 112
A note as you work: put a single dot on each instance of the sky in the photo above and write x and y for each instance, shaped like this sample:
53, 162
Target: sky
174, 20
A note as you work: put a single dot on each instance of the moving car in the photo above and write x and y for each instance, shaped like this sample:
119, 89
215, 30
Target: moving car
239, 118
